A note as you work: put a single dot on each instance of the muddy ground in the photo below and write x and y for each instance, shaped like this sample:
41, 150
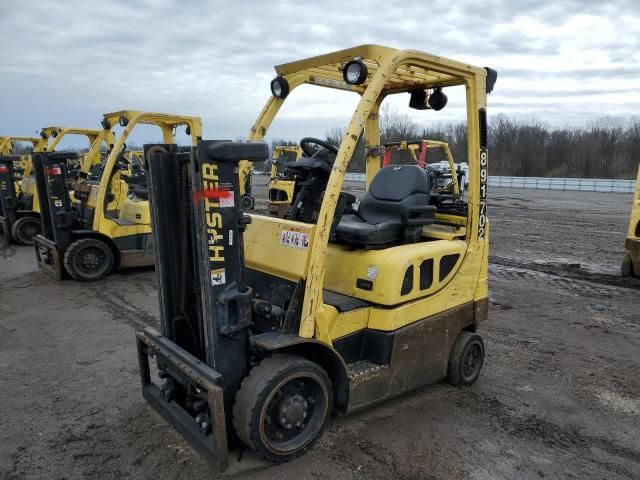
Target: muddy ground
559, 396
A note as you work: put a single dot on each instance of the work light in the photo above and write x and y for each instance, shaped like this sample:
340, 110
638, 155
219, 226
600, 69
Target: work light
355, 72
54, 133
105, 124
43, 134
280, 87
123, 121
437, 100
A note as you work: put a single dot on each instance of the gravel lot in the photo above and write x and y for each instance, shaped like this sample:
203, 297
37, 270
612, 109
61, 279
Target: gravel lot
559, 396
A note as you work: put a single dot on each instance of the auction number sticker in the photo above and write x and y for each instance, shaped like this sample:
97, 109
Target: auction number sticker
484, 175
289, 238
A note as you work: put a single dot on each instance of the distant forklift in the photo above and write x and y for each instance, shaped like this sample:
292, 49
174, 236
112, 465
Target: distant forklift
107, 225
631, 262
12, 170
447, 175
280, 187
20, 215
269, 325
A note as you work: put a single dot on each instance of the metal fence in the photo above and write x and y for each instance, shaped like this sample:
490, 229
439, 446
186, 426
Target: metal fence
576, 184
547, 183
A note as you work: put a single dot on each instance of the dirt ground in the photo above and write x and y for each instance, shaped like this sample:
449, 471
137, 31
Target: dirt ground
559, 396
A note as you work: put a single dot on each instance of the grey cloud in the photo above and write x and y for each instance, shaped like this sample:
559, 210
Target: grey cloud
70, 62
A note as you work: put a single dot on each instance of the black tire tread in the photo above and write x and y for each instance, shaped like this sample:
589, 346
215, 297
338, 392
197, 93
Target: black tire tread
68, 264
259, 378
16, 228
454, 374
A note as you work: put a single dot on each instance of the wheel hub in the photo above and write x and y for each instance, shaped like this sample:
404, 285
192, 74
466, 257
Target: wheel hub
293, 411
90, 260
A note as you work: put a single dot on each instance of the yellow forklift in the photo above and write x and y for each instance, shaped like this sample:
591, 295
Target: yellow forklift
7, 147
269, 325
20, 215
107, 225
280, 187
448, 178
631, 262
12, 171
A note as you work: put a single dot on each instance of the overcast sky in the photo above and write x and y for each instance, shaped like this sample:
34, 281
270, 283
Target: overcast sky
562, 62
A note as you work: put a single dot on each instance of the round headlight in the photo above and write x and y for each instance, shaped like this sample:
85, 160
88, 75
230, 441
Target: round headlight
54, 134
437, 100
280, 87
355, 72
123, 121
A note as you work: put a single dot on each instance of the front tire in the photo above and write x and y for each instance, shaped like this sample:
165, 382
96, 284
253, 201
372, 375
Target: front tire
25, 228
466, 359
282, 407
88, 260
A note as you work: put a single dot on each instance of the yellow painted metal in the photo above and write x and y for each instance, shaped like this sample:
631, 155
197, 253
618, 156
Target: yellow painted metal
390, 72
267, 251
341, 324
633, 235
444, 146
7, 144
50, 138
136, 211
98, 140
167, 123
634, 222
279, 190
386, 268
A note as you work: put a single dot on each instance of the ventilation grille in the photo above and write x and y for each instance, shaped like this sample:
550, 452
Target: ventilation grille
426, 274
446, 265
407, 283
482, 117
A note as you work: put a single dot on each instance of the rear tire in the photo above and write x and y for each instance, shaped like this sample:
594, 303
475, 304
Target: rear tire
466, 359
282, 407
627, 266
25, 228
88, 260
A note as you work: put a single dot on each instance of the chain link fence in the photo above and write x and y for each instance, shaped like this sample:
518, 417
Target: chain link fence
548, 183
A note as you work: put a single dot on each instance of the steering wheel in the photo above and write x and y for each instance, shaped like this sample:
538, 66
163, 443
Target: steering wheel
306, 142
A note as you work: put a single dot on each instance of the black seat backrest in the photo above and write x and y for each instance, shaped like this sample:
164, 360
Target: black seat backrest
393, 189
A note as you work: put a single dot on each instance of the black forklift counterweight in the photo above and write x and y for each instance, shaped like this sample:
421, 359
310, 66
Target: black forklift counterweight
205, 309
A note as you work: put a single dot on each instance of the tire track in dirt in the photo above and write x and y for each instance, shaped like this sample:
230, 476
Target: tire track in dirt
564, 271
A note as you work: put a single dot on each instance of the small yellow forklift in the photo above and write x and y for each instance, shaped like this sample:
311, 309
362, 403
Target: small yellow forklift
447, 177
12, 171
107, 224
270, 325
631, 262
20, 215
281, 185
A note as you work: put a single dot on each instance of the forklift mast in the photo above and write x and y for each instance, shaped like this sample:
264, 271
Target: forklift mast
55, 204
8, 196
205, 309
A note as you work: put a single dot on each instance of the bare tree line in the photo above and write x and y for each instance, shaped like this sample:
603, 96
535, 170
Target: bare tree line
608, 148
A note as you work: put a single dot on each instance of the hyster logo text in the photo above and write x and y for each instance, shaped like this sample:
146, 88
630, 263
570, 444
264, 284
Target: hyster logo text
213, 218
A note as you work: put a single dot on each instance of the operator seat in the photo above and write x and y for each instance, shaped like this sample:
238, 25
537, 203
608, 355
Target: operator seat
392, 212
